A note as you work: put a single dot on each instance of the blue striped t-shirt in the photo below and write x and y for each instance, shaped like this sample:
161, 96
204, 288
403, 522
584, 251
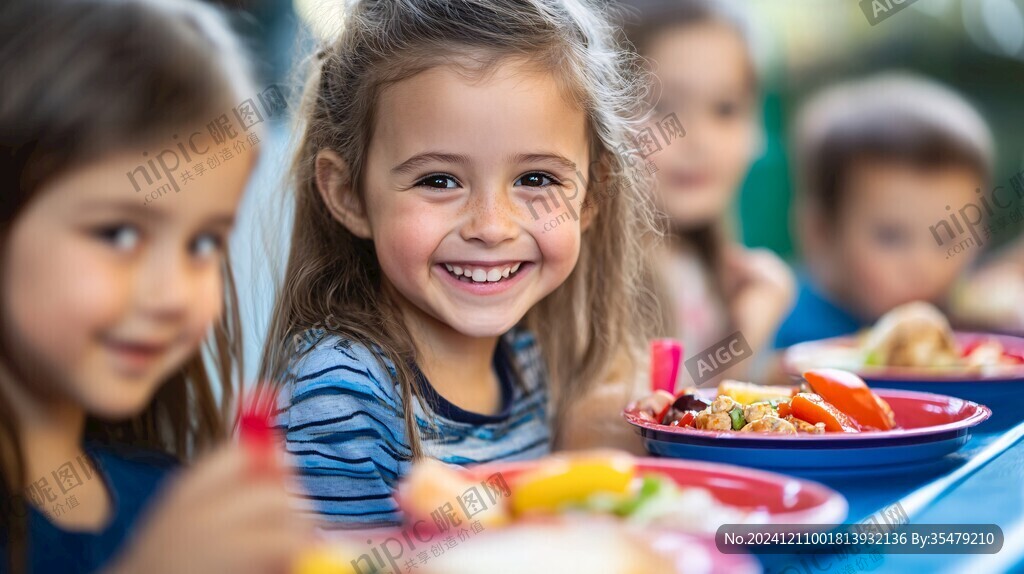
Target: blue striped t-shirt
343, 421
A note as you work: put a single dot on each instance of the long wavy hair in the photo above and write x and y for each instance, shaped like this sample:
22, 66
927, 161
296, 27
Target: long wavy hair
604, 311
89, 78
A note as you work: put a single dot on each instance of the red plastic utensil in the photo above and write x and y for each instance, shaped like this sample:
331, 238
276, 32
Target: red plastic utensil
666, 355
256, 427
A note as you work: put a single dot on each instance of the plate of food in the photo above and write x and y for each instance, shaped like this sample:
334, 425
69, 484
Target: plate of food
831, 425
915, 342
913, 347
602, 511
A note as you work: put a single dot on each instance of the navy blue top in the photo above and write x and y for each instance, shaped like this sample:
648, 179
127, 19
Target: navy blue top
132, 477
815, 317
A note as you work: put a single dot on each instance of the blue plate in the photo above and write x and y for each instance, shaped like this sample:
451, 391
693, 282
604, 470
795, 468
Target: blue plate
1002, 388
930, 427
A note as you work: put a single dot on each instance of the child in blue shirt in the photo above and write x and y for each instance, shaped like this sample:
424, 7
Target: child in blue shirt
883, 163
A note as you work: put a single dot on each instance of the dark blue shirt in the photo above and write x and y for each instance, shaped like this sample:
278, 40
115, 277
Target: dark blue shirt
815, 317
132, 477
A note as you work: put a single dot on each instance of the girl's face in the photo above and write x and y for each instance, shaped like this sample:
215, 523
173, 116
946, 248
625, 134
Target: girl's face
462, 182
706, 79
104, 296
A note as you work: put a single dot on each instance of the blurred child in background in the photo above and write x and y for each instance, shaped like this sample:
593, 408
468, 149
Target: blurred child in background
448, 150
706, 76
109, 291
889, 168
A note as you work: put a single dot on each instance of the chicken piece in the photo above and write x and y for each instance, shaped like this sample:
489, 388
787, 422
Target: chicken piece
757, 411
804, 426
724, 404
654, 404
912, 335
772, 424
708, 420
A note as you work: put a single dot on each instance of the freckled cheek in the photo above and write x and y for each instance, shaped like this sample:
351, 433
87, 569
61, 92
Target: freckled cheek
559, 246
405, 253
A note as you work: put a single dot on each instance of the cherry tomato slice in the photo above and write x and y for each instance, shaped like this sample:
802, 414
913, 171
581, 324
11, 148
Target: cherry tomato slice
814, 409
851, 395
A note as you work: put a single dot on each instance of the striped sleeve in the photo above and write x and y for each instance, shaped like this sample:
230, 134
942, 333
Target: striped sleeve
345, 431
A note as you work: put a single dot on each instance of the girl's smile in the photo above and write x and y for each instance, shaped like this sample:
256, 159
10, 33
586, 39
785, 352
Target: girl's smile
483, 278
455, 168
134, 357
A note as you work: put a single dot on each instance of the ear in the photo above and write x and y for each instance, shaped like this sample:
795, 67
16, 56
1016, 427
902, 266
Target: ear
334, 182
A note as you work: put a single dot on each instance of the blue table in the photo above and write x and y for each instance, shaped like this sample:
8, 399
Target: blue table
981, 484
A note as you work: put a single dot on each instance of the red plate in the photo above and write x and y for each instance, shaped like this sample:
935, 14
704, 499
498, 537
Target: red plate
931, 427
785, 500
780, 500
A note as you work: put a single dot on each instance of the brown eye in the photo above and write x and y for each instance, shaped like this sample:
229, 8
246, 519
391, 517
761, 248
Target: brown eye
535, 179
438, 181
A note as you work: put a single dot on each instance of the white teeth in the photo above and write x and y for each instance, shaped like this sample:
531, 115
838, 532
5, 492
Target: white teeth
481, 275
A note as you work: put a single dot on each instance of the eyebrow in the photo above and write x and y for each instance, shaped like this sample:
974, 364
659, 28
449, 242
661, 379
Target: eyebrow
131, 207
536, 157
419, 160
153, 213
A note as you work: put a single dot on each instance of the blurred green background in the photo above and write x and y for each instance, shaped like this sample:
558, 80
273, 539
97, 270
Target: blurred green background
974, 46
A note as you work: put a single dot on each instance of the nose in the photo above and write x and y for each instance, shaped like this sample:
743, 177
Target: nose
491, 217
165, 285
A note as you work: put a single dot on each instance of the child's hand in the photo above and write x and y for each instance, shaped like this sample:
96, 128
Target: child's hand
763, 292
220, 517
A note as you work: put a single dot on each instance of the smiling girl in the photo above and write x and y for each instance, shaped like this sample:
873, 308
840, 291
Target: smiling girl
106, 301
437, 134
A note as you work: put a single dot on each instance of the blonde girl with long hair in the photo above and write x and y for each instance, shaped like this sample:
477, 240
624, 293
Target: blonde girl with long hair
468, 230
